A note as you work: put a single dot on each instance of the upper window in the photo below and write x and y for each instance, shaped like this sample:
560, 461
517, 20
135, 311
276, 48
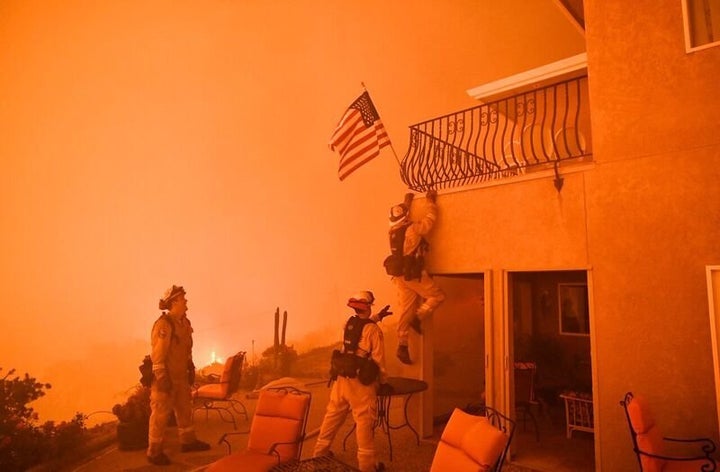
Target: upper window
702, 23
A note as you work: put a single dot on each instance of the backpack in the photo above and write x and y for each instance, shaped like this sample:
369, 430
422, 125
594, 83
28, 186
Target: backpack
409, 266
146, 372
347, 363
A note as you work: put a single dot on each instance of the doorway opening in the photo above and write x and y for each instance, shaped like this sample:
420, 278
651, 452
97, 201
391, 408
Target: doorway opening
551, 376
459, 345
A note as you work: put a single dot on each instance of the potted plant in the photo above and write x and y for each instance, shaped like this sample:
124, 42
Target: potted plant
133, 420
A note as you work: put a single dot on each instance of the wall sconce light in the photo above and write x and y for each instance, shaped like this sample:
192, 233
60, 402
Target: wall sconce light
558, 180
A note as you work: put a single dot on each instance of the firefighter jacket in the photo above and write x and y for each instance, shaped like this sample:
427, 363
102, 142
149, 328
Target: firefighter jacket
417, 229
171, 342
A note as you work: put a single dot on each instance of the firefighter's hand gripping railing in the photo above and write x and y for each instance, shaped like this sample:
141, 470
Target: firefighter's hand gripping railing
523, 133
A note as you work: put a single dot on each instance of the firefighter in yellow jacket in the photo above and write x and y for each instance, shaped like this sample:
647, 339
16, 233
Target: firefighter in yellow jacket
173, 373
417, 293
354, 392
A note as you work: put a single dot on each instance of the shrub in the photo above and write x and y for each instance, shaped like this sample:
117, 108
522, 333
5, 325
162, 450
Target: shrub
23, 443
136, 408
134, 419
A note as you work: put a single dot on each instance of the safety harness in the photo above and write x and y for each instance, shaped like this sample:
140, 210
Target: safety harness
347, 363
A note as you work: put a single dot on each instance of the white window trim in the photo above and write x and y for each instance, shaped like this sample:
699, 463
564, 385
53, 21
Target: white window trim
713, 288
686, 28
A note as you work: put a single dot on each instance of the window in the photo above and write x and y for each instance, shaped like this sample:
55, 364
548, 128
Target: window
574, 313
702, 24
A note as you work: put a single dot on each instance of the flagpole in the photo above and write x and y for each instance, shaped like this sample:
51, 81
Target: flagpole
391, 144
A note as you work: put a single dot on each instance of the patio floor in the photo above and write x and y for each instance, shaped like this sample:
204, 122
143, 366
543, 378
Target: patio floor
407, 455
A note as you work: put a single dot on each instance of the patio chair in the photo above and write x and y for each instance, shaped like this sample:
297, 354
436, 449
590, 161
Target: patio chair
276, 434
650, 446
525, 399
472, 443
218, 395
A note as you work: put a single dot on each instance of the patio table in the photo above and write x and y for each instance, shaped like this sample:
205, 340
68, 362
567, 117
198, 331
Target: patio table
401, 387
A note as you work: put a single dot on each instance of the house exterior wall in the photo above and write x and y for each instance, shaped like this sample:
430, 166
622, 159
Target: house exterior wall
643, 219
653, 218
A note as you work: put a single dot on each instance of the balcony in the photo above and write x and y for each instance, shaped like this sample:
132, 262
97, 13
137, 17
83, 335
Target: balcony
530, 131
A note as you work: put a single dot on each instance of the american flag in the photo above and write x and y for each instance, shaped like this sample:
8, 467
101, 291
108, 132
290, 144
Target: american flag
359, 135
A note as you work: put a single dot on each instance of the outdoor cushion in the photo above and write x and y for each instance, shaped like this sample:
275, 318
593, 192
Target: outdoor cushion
484, 443
640, 416
278, 419
217, 391
649, 438
468, 443
448, 458
247, 461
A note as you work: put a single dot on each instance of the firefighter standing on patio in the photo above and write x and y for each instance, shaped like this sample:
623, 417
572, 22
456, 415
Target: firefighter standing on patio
171, 341
353, 391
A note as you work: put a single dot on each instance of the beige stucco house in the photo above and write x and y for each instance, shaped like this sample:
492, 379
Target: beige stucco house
623, 222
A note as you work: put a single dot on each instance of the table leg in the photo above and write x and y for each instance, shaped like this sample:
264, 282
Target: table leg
383, 419
407, 421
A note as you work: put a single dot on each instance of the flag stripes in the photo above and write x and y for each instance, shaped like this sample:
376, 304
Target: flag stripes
359, 136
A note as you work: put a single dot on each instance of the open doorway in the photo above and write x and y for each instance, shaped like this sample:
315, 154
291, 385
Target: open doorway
551, 376
459, 345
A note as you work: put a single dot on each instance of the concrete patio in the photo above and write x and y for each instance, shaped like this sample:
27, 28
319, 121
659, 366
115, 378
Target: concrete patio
407, 454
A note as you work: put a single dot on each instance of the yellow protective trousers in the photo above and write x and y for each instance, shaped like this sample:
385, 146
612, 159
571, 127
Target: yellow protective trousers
415, 298
179, 401
351, 395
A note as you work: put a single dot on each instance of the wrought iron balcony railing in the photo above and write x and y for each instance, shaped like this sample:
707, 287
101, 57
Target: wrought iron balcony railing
527, 132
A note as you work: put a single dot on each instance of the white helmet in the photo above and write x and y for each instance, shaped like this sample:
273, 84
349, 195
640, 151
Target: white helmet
398, 214
361, 300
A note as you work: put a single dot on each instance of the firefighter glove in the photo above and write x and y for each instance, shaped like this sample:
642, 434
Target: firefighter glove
384, 312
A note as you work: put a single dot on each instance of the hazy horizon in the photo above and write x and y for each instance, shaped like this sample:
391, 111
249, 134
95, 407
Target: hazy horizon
147, 144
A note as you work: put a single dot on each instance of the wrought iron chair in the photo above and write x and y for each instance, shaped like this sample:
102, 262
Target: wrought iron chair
471, 442
525, 399
218, 395
276, 434
649, 444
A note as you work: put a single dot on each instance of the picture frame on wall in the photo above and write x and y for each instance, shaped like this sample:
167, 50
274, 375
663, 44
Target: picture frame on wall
574, 314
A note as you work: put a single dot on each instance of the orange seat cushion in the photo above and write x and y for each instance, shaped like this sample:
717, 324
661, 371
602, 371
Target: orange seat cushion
468, 443
217, 391
448, 458
649, 438
484, 443
212, 391
641, 417
247, 461
279, 418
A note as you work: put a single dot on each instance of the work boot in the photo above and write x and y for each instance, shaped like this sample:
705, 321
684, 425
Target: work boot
403, 354
159, 459
196, 445
416, 325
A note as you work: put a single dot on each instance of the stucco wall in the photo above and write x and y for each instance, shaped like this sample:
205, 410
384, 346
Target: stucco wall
525, 225
653, 218
644, 218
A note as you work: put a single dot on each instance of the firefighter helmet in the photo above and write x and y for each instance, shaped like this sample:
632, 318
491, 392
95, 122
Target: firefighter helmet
398, 214
169, 294
361, 300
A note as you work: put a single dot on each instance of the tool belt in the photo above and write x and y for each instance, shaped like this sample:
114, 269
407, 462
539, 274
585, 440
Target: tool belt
351, 366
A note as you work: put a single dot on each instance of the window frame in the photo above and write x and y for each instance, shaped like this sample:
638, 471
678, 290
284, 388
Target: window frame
689, 46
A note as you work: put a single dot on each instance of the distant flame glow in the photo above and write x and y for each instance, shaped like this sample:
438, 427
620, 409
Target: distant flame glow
214, 359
